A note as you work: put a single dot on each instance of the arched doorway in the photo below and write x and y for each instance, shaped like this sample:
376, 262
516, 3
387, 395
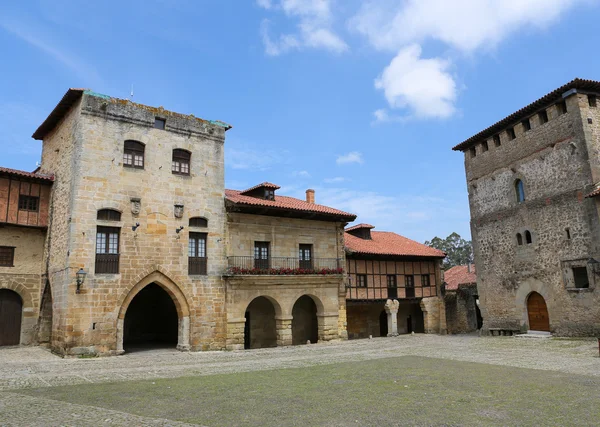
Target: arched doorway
260, 330
305, 325
11, 311
383, 324
151, 320
537, 311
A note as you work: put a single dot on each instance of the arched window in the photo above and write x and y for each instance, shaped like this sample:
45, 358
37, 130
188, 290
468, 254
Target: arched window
520, 190
109, 215
133, 154
181, 162
519, 239
528, 237
198, 222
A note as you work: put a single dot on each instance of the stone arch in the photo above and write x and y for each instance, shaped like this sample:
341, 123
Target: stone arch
306, 321
111, 204
25, 295
178, 297
318, 302
136, 136
263, 322
525, 289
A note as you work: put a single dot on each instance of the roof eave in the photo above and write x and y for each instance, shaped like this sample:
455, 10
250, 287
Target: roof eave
63, 106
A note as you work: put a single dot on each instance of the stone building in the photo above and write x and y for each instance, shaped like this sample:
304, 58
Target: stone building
535, 233
138, 243
24, 205
393, 284
461, 300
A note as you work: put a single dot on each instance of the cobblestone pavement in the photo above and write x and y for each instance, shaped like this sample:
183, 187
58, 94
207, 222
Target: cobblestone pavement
27, 367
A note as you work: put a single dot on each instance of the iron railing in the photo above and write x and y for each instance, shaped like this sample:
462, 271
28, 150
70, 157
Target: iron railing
283, 265
107, 264
384, 293
197, 265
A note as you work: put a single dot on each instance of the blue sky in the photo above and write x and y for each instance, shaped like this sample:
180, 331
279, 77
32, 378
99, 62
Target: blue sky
360, 100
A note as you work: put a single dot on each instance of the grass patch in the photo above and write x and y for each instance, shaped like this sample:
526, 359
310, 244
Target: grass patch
397, 391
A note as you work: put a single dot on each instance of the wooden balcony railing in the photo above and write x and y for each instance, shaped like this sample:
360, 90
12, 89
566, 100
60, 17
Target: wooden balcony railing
370, 293
107, 264
283, 266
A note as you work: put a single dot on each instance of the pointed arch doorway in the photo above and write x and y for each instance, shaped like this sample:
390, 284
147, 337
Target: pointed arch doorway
537, 312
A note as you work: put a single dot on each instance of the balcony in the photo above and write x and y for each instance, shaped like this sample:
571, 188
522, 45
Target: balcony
248, 265
382, 293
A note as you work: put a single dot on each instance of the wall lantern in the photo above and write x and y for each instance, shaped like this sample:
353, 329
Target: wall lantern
177, 230
80, 277
135, 227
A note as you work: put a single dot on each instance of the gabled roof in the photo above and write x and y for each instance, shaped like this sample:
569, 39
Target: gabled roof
388, 243
544, 102
33, 175
359, 226
459, 275
263, 185
284, 203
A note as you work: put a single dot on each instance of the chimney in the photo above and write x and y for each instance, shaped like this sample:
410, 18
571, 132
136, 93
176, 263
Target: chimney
469, 267
310, 195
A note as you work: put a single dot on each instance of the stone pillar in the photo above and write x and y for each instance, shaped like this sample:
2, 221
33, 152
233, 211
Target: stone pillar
183, 338
391, 309
283, 324
235, 334
120, 323
328, 326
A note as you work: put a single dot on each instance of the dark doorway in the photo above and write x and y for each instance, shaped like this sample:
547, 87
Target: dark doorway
151, 320
11, 309
409, 325
383, 324
304, 321
260, 324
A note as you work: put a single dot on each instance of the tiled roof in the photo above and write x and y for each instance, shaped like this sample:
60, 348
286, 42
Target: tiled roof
529, 110
16, 172
459, 275
358, 226
287, 203
594, 193
263, 185
388, 243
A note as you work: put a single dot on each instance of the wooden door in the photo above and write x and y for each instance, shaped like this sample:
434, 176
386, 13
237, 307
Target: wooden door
11, 308
538, 313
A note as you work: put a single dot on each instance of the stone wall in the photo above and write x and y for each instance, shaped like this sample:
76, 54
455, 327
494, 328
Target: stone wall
553, 161
461, 310
25, 278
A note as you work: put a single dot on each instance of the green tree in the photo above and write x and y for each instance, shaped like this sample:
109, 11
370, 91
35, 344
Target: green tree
458, 250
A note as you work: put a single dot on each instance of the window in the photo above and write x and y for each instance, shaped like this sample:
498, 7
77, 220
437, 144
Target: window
409, 286
107, 250
519, 239
391, 281
108, 215
181, 162
526, 125
29, 203
198, 222
497, 142
581, 277
562, 107
520, 190
568, 233
473, 151
261, 255
543, 116
269, 194
484, 146
7, 256
528, 239
305, 257
197, 254
592, 101
133, 155
425, 280
361, 280
159, 123
511, 133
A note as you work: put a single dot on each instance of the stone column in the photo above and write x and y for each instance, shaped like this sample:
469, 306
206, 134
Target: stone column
391, 309
120, 323
183, 340
283, 324
235, 334
328, 326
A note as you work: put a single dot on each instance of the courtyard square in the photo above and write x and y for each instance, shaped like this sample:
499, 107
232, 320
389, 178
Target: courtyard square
407, 380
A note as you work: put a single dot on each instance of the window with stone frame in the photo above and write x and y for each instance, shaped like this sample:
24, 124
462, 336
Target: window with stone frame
473, 151
562, 107
497, 142
543, 116
262, 255
107, 250
519, 239
305, 259
133, 154
511, 133
197, 257
592, 102
580, 277
181, 162
526, 125
159, 123
520, 191
7, 256
198, 222
579, 274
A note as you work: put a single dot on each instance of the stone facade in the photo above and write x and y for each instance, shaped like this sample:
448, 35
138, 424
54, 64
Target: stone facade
533, 245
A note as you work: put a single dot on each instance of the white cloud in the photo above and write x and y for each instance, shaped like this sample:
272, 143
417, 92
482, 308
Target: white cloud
465, 25
352, 157
314, 27
301, 174
246, 157
423, 86
335, 180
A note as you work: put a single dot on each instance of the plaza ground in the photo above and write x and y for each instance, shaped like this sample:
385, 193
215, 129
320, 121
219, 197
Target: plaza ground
408, 380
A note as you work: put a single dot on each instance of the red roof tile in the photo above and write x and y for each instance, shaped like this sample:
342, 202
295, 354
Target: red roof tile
263, 185
284, 202
27, 174
459, 275
388, 243
361, 225
594, 193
